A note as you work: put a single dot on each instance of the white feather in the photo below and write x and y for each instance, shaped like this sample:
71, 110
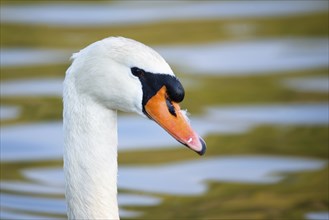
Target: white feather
97, 84
185, 114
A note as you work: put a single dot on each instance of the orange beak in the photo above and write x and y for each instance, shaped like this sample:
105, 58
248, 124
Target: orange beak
170, 117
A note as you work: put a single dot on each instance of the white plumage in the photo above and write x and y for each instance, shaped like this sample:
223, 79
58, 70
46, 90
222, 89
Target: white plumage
98, 83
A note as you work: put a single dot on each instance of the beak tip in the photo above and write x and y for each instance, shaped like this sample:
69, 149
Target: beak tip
203, 148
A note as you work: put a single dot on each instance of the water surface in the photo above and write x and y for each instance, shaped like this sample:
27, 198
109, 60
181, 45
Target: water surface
308, 84
17, 206
219, 58
121, 13
30, 57
248, 57
36, 191
317, 216
32, 87
9, 112
39, 141
181, 178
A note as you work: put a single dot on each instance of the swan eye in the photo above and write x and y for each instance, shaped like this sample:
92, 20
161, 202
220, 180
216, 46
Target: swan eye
137, 71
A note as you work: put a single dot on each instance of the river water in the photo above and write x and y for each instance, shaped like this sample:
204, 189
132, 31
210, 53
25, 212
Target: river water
34, 150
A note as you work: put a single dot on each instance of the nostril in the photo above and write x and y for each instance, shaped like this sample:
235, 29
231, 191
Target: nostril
171, 108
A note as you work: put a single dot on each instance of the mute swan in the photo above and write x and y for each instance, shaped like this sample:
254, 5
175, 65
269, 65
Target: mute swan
113, 74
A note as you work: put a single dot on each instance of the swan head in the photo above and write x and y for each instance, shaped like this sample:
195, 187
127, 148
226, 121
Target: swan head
126, 75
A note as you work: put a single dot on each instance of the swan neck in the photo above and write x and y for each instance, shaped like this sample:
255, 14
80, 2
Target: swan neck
90, 158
